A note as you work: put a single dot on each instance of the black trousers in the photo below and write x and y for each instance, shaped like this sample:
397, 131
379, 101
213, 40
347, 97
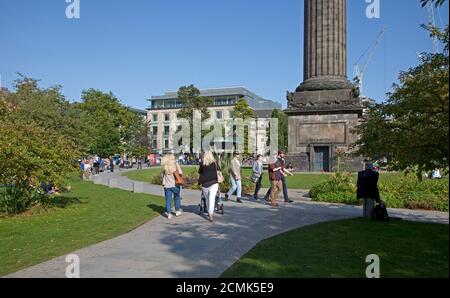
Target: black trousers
258, 186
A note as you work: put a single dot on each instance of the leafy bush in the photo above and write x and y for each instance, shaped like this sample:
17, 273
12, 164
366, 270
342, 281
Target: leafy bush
156, 180
339, 188
407, 192
18, 199
30, 155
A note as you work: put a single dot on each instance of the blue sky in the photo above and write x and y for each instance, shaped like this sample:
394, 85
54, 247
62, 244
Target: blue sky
141, 48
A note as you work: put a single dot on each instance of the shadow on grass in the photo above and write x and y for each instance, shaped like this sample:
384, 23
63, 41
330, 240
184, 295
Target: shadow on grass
156, 208
63, 202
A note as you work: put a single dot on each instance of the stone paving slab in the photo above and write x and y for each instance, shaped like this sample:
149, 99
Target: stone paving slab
190, 246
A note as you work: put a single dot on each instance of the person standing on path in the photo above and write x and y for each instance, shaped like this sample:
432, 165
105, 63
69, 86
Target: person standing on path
236, 180
257, 176
209, 181
367, 188
171, 190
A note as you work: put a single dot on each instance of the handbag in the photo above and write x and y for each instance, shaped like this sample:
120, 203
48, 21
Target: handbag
255, 178
220, 177
179, 181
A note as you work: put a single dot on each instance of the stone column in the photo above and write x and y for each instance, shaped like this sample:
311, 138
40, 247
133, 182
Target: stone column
325, 46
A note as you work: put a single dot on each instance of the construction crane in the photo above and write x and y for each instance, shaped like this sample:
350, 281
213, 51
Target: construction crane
432, 22
359, 71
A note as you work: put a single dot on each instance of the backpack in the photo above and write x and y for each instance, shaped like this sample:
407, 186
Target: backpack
380, 212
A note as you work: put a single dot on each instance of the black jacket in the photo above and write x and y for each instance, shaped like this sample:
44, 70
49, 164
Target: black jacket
208, 175
368, 185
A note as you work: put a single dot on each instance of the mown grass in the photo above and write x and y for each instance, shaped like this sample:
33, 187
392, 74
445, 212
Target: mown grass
339, 249
87, 215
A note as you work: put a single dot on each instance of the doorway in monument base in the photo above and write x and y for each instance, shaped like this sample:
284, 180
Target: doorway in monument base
321, 159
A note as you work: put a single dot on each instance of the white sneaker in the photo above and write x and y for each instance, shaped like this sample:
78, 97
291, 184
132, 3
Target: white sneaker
178, 213
168, 215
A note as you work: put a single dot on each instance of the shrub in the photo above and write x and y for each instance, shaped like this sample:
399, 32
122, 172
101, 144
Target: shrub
407, 192
339, 188
157, 180
20, 198
30, 155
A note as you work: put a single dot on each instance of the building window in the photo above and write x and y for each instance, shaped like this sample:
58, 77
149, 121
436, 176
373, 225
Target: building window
167, 117
155, 131
166, 144
166, 130
231, 114
155, 118
154, 144
232, 100
219, 115
220, 101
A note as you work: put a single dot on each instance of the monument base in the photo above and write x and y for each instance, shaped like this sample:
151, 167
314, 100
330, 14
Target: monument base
321, 127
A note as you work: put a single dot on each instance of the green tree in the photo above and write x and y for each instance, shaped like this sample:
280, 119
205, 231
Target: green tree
48, 108
115, 129
283, 143
29, 155
243, 111
191, 101
412, 127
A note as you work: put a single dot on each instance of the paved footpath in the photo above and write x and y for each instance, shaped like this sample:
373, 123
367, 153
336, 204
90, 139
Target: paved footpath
190, 246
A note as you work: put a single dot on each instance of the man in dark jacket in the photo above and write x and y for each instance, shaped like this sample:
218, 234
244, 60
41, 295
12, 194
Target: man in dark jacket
368, 188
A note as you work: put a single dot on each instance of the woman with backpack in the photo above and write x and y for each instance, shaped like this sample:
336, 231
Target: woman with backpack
171, 172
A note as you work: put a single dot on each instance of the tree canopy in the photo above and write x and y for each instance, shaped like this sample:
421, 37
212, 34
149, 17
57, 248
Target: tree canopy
412, 127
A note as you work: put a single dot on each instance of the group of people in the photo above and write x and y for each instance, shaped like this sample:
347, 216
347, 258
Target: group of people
210, 176
94, 165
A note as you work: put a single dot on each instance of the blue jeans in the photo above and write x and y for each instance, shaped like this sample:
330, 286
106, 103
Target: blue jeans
285, 191
168, 192
235, 185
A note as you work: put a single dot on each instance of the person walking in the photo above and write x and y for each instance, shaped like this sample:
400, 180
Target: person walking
81, 169
209, 181
236, 180
275, 177
87, 170
367, 188
284, 173
257, 176
139, 163
111, 164
171, 189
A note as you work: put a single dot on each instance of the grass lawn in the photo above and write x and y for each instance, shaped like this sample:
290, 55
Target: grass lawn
299, 181
88, 215
339, 249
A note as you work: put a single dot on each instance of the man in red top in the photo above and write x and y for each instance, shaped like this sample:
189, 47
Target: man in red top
275, 177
